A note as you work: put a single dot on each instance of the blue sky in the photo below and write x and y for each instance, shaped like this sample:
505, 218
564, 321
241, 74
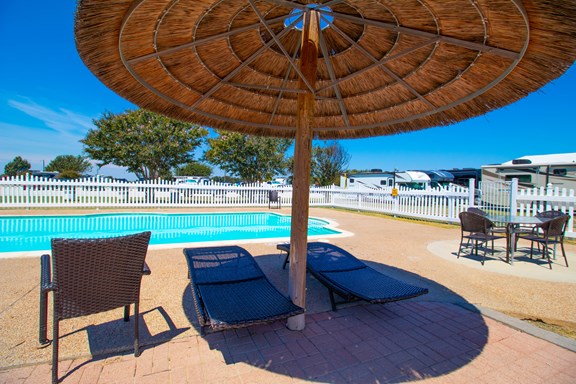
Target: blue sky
48, 99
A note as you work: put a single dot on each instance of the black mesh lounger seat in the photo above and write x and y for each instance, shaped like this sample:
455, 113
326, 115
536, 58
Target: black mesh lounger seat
350, 278
230, 290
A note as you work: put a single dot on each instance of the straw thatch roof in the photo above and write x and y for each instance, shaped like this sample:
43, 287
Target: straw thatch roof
385, 66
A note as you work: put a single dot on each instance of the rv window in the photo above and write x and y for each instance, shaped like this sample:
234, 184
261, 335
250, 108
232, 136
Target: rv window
521, 178
382, 182
351, 180
560, 172
390, 182
521, 161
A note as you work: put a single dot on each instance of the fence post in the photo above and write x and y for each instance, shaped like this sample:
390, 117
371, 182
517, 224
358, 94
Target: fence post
549, 192
471, 192
513, 197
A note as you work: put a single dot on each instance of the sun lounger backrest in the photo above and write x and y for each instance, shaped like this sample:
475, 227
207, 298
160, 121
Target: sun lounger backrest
324, 257
213, 265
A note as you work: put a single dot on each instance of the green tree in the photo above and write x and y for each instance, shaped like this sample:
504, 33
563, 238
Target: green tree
69, 163
69, 174
16, 167
146, 143
226, 179
194, 169
328, 163
252, 158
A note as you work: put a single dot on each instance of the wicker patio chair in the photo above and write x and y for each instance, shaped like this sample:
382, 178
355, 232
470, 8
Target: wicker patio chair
477, 229
343, 274
229, 290
495, 228
528, 229
547, 233
91, 276
274, 198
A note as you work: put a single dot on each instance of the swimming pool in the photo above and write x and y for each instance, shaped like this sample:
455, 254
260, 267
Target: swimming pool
33, 233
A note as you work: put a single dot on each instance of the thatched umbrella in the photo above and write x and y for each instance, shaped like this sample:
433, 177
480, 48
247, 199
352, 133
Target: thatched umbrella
338, 69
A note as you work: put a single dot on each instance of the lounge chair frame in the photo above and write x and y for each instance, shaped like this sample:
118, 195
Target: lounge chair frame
386, 288
229, 290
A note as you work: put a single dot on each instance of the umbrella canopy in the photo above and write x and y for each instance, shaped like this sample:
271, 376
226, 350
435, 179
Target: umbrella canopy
384, 66
327, 69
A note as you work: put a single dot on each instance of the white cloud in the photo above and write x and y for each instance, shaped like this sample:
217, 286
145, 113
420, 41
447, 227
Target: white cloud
60, 120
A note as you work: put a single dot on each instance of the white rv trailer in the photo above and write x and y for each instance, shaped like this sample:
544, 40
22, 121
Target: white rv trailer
413, 179
379, 180
535, 171
370, 180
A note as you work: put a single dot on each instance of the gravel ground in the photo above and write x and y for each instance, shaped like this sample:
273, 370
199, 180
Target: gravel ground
397, 247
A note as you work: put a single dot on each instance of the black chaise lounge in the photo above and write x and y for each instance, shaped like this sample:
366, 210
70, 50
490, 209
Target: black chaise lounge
350, 278
230, 290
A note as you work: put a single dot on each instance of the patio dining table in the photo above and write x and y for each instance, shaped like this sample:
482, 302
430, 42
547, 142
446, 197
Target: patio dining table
512, 224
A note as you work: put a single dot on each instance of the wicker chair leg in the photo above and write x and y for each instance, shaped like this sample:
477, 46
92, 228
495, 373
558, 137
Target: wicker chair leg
547, 254
136, 332
286, 260
55, 337
42, 338
563, 252
460, 248
127, 313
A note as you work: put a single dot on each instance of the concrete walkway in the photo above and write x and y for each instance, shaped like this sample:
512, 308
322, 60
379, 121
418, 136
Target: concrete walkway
455, 334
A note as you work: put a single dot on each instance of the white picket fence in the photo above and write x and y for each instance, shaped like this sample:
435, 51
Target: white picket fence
433, 204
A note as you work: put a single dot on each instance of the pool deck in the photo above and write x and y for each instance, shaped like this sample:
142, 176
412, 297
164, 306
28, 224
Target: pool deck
458, 333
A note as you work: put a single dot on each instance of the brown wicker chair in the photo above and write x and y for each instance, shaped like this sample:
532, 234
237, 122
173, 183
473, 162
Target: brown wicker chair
274, 198
477, 229
91, 276
495, 228
547, 233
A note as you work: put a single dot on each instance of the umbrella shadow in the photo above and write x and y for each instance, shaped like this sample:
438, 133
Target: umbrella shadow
425, 337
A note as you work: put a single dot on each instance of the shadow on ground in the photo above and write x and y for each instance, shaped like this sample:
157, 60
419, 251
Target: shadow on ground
425, 337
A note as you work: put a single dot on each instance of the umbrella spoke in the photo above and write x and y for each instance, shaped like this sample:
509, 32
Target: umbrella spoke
383, 60
245, 63
388, 71
281, 46
416, 32
288, 4
204, 40
279, 98
330, 68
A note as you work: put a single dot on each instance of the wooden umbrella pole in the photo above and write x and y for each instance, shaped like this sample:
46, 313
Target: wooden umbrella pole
302, 159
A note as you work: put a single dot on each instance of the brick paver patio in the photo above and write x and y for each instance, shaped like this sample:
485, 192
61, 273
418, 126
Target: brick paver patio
393, 343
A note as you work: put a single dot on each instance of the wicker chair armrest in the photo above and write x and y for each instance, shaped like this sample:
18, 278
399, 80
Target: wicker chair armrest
45, 274
146, 269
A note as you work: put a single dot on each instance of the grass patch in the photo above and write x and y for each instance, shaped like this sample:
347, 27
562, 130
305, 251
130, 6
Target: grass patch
569, 332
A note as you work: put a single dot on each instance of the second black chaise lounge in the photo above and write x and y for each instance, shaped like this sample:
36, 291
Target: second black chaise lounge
229, 290
343, 274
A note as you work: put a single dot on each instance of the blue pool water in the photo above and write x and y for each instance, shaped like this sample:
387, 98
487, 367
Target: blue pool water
33, 233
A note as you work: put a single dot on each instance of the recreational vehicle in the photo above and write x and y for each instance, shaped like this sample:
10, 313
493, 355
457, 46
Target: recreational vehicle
413, 179
559, 170
379, 180
370, 180
462, 176
440, 179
